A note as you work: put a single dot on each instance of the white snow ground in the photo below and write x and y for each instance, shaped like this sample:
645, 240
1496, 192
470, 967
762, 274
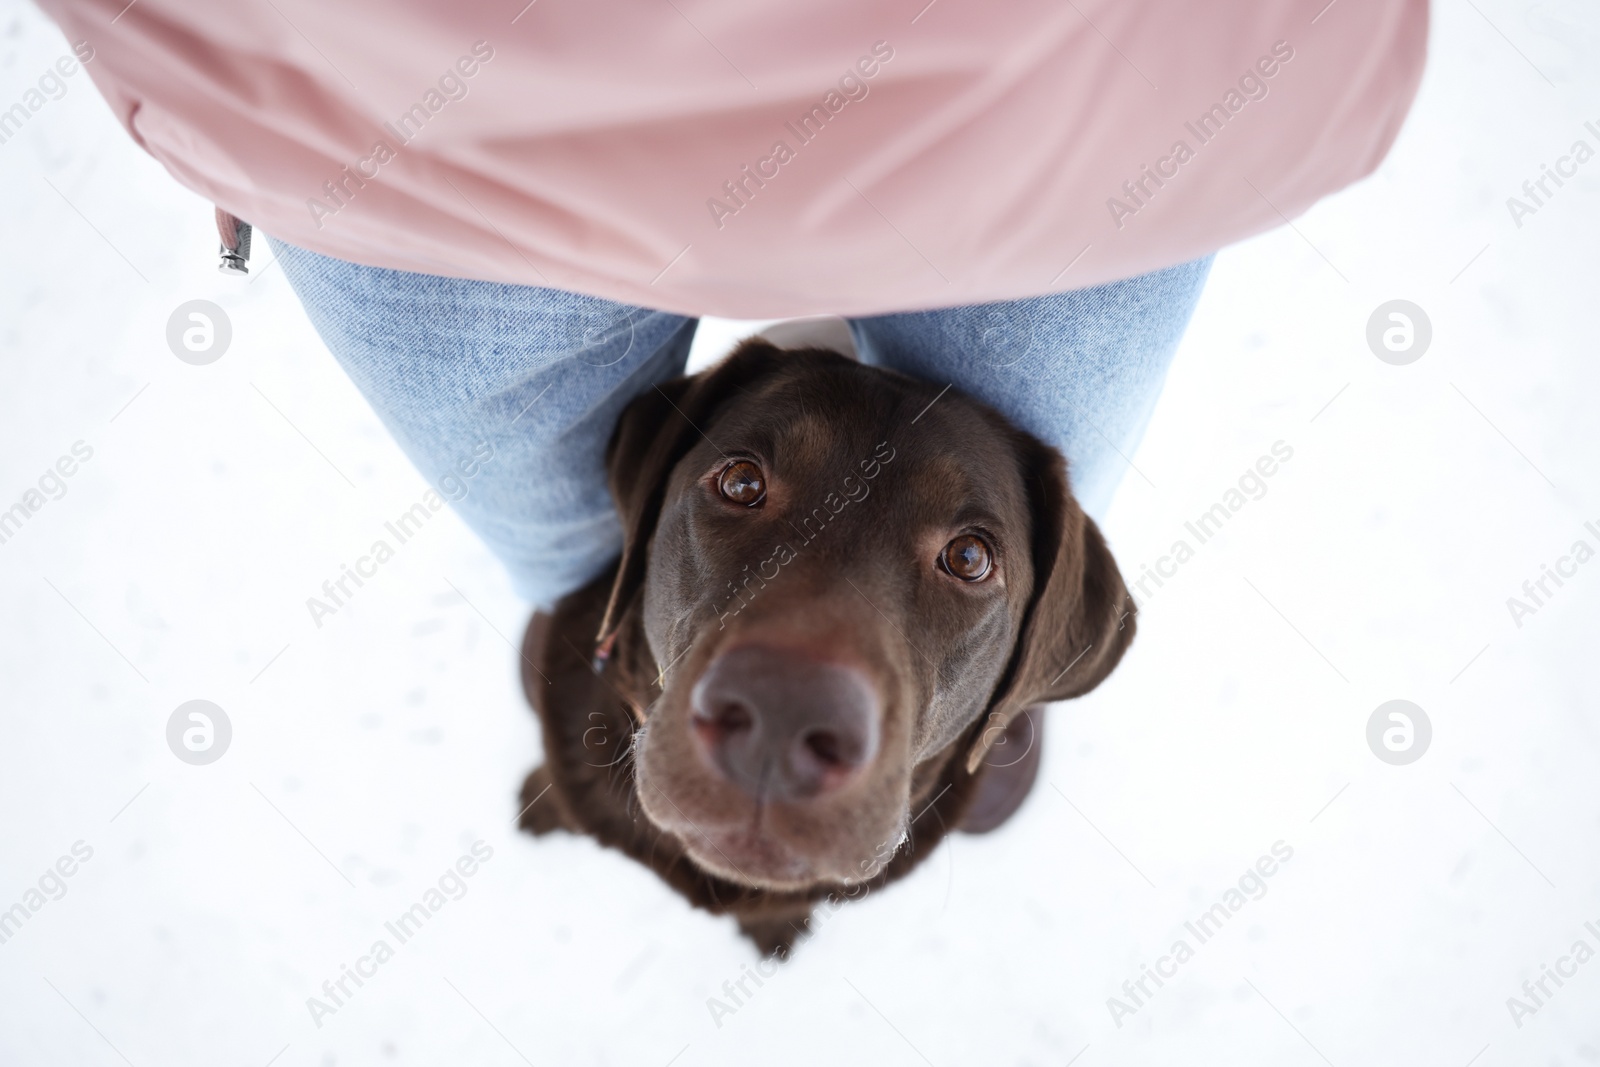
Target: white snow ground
369, 755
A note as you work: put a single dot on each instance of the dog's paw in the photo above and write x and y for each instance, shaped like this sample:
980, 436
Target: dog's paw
541, 813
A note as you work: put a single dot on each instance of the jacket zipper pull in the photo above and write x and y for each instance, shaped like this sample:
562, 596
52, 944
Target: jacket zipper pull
235, 247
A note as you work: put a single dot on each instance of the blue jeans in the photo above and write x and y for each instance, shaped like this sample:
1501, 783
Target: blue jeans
536, 378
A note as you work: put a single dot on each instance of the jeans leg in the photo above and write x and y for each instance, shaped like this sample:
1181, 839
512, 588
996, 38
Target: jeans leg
455, 368
1081, 370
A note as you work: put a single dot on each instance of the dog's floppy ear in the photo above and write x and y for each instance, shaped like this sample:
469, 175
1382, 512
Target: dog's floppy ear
655, 431
1080, 619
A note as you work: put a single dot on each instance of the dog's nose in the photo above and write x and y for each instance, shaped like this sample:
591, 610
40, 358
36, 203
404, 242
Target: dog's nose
783, 727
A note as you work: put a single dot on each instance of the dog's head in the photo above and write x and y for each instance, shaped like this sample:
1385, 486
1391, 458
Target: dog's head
844, 577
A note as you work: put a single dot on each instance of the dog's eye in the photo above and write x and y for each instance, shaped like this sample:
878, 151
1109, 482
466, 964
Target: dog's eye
741, 482
967, 557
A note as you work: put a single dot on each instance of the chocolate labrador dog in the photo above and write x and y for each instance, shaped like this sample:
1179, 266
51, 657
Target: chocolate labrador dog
838, 589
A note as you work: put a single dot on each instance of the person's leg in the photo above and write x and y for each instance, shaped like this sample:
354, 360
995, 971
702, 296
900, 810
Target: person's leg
1080, 370
536, 378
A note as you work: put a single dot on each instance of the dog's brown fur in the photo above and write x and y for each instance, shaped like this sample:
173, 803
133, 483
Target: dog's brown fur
1053, 629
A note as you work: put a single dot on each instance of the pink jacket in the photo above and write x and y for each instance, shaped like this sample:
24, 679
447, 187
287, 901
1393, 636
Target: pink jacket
752, 159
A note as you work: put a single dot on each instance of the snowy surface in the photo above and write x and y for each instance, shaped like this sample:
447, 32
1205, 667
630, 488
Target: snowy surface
369, 755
